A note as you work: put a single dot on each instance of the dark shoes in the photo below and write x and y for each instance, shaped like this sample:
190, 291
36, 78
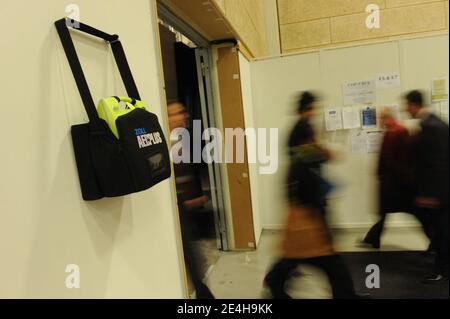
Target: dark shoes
276, 294
435, 279
275, 291
280, 295
203, 292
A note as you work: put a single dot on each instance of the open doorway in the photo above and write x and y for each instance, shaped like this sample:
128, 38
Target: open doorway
185, 57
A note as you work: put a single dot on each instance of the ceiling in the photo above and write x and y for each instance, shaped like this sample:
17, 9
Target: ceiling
209, 21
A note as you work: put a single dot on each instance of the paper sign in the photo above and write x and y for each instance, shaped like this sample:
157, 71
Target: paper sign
374, 141
359, 142
351, 116
444, 110
369, 117
361, 92
388, 81
333, 119
439, 89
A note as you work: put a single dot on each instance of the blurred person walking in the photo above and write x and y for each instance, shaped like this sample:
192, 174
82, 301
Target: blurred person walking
395, 193
431, 172
190, 198
307, 239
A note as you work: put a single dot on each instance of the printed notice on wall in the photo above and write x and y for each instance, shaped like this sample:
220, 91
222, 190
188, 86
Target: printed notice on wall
351, 117
359, 142
439, 89
374, 141
333, 119
361, 92
369, 117
388, 81
444, 110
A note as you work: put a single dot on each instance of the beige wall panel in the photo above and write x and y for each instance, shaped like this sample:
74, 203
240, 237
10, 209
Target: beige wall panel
220, 4
272, 27
204, 18
238, 16
223, 19
255, 9
305, 34
343, 45
402, 3
249, 35
446, 13
301, 10
398, 21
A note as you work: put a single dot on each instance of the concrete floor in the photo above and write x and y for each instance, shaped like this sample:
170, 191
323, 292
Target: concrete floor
240, 274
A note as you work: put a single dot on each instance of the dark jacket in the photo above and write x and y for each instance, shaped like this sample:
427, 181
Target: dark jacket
431, 159
395, 171
394, 155
302, 133
305, 184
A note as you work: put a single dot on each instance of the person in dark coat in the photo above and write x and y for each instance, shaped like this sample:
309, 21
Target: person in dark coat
309, 240
395, 178
431, 152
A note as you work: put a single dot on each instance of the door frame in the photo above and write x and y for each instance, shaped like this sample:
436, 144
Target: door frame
238, 176
203, 58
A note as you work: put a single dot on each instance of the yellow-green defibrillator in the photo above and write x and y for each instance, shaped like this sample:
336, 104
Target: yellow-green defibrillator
111, 108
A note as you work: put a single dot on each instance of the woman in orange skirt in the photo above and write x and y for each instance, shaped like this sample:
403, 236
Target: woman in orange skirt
307, 239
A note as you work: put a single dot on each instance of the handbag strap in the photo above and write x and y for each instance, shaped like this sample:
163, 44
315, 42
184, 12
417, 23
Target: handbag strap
62, 27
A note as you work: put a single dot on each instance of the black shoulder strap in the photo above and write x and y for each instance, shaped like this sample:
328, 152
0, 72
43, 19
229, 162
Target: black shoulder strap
124, 69
74, 62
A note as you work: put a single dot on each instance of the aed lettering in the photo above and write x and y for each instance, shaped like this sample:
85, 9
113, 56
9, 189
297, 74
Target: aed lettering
140, 131
150, 139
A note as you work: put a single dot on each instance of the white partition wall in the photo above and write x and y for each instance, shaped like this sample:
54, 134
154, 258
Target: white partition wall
356, 203
249, 118
124, 247
277, 82
274, 84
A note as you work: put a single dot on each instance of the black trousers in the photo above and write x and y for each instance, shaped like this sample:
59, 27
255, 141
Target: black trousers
374, 234
440, 238
334, 267
396, 197
191, 254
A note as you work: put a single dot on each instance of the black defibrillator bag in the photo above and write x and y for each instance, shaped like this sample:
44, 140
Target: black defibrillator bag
144, 147
109, 166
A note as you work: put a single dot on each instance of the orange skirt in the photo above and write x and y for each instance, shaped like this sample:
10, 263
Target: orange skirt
306, 234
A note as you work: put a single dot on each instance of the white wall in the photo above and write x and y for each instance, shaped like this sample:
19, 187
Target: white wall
125, 247
247, 99
276, 83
